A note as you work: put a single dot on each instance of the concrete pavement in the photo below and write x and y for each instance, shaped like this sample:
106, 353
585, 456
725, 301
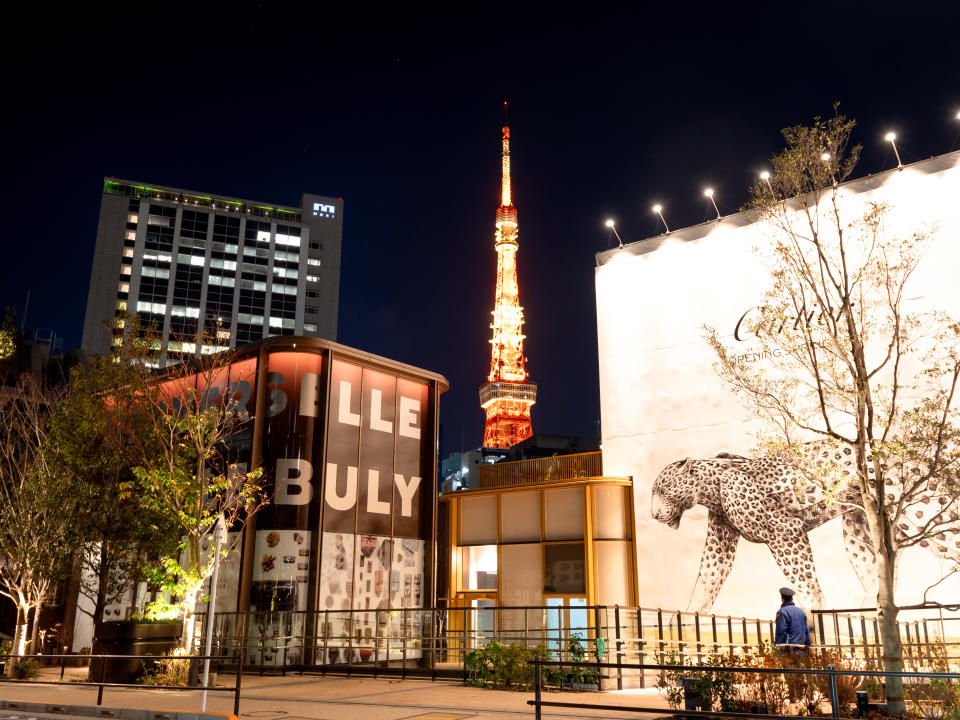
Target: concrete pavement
310, 697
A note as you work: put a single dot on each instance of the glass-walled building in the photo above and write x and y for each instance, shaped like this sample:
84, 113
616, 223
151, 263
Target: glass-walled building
550, 533
192, 263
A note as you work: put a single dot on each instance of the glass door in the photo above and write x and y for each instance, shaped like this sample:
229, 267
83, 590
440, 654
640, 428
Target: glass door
566, 617
477, 617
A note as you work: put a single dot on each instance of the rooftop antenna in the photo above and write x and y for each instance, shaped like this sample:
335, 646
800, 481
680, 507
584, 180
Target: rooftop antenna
26, 306
505, 113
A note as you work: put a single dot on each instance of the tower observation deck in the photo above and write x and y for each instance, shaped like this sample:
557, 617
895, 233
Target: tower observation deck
506, 397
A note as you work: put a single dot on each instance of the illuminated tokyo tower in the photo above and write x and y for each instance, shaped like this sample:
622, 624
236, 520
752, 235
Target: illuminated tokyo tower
506, 397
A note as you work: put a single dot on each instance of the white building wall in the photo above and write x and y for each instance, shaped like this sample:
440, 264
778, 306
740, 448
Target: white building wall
662, 401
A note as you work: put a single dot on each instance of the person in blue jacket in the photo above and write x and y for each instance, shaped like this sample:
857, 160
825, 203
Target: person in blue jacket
793, 634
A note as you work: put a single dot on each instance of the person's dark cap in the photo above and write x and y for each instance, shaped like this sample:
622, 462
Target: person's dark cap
786, 592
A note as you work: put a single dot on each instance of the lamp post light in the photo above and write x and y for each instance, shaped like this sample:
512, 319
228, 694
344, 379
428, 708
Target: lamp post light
708, 192
613, 226
220, 537
658, 209
891, 137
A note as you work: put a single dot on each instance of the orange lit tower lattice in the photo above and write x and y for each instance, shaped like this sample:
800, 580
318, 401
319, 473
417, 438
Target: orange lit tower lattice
506, 397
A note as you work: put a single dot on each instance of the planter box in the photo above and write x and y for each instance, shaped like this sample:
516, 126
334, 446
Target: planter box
130, 638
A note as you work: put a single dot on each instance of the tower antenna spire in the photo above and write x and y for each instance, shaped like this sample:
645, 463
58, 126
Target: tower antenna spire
507, 395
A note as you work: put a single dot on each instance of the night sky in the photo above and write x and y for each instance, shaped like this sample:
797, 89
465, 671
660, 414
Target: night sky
399, 110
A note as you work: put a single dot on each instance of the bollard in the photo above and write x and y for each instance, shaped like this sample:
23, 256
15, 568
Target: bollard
835, 711
863, 703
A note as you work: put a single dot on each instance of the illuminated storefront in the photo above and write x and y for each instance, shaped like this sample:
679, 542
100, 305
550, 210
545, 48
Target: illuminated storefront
347, 443
533, 542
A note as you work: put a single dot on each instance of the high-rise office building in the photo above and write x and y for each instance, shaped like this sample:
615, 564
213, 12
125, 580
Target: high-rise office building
235, 270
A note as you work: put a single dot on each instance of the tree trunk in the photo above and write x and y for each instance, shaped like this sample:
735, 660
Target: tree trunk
189, 623
20, 633
35, 630
103, 577
889, 634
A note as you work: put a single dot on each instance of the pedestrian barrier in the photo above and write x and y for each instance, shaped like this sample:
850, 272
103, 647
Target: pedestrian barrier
831, 673
101, 668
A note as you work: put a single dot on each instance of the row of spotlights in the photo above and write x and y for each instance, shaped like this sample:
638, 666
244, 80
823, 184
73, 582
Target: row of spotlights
890, 137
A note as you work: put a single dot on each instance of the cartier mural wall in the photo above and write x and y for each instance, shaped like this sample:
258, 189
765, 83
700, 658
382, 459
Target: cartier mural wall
665, 411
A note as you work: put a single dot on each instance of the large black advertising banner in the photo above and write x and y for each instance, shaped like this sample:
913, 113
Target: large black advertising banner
373, 544
350, 467
292, 448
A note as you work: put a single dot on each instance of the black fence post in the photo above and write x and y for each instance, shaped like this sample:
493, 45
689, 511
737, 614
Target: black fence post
834, 709
103, 669
536, 688
616, 619
236, 688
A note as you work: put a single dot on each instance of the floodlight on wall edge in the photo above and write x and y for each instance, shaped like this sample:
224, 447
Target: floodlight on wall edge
708, 192
658, 209
613, 226
891, 137
765, 177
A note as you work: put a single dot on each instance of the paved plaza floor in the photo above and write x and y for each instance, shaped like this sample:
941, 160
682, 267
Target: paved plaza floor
310, 697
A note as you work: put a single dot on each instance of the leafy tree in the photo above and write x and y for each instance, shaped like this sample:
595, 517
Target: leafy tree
89, 447
188, 473
35, 512
849, 364
10, 347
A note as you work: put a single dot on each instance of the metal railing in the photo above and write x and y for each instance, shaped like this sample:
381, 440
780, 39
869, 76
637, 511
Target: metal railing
439, 638
436, 640
541, 470
927, 642
98, 665
829, 672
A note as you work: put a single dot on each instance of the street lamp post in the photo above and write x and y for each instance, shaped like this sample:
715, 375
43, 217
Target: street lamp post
220, 536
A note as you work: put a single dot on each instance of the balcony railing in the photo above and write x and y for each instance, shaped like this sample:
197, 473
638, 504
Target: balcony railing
541, 470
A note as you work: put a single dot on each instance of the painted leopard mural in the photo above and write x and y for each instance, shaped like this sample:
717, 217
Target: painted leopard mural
769, 500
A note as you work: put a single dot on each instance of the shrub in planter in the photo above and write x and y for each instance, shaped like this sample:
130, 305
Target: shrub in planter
713, 690
24, 669
937, 700
497, 665
171, 670
581, 677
